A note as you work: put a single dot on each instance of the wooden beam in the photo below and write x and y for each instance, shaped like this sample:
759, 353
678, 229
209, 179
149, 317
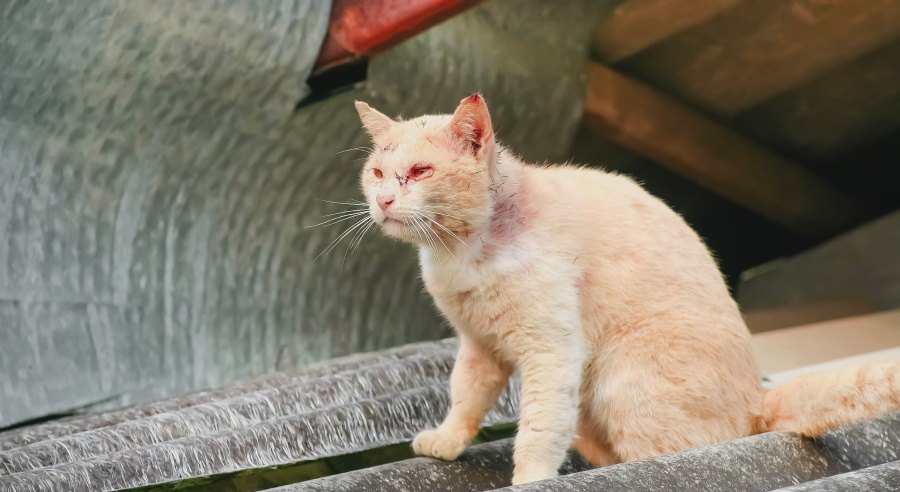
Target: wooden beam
857, 103
686, 142
637, 24
763, 48
790, 348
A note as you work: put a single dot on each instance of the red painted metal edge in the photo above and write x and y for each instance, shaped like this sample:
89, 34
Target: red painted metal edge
364, 27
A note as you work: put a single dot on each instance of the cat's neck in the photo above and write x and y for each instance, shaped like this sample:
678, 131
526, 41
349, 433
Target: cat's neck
508, 216
506, 176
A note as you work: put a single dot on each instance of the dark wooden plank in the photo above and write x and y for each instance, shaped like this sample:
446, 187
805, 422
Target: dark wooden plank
637, 24
854, 104
648, 122
740, 238
762, 48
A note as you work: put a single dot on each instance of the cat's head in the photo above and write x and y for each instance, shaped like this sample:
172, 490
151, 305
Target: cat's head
430, 176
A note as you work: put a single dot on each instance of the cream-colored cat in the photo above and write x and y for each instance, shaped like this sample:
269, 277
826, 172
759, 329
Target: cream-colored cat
608, 304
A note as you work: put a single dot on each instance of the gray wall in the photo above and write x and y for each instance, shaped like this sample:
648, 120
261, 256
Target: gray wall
155, 185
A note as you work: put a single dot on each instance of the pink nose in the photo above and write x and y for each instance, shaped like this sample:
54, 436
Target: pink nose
384, 202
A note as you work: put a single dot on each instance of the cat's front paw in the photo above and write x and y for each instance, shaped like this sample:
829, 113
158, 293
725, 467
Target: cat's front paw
533, 474
440, 444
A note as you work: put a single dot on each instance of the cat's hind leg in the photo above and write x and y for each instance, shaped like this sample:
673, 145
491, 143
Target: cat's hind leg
591, 442
655, 402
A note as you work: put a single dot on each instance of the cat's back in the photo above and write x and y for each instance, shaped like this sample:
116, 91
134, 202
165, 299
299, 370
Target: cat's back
617, 229
586, 200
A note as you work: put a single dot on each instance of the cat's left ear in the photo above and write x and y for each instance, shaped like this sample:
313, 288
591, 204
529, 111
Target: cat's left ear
471, 125
375, 122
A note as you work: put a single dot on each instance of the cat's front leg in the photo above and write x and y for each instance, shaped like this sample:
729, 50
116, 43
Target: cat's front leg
551, 377
475, 384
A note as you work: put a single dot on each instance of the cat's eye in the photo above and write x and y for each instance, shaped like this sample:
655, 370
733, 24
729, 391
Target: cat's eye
420, 171
377, 172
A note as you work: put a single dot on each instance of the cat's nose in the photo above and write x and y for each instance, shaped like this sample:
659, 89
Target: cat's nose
384, 201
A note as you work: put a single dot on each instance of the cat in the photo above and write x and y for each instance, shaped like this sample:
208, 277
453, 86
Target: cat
614, 312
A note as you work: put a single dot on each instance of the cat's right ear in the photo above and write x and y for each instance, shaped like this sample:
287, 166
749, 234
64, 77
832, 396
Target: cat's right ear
375, 122
471, 125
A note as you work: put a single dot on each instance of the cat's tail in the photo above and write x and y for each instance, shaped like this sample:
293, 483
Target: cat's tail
814, 403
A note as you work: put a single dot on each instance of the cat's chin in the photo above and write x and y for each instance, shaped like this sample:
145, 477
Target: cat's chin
398, 230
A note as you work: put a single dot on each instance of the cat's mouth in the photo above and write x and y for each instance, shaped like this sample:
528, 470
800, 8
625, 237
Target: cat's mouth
397, 228
391, 224
392, 221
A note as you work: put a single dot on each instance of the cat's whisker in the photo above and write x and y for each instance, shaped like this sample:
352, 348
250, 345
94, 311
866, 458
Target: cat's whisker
428, 234
354, 241
451, 233
447, 215
448, 231
438, 211
361, 149
346, 212
350, 245
331, 222
415, 227
349, 233
354, 202
424, 229
415, 224
335, 220
342, 237
438, 236
361, 209
363, 235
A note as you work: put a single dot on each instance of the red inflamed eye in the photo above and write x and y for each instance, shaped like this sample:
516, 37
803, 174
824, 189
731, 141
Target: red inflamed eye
377, 172
420, 171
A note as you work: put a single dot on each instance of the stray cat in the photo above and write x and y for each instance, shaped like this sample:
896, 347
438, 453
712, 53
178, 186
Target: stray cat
609, 305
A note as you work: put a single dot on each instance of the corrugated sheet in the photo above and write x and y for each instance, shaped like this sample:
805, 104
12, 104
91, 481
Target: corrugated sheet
337, 408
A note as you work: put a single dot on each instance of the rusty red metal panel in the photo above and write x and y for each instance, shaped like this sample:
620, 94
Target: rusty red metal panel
363, 27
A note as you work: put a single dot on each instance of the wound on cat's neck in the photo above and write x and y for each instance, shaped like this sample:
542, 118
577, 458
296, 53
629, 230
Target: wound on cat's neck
510, 213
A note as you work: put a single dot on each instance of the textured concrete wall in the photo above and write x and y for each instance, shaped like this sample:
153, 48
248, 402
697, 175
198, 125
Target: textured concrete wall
146, 199
155, 185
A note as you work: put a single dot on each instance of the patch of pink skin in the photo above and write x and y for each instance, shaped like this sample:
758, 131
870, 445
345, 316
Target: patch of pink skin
510, 218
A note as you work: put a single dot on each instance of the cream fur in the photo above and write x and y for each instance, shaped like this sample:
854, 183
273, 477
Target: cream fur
608, 304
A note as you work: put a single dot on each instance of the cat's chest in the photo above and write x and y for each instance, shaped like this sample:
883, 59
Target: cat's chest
445, 277
474, 296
